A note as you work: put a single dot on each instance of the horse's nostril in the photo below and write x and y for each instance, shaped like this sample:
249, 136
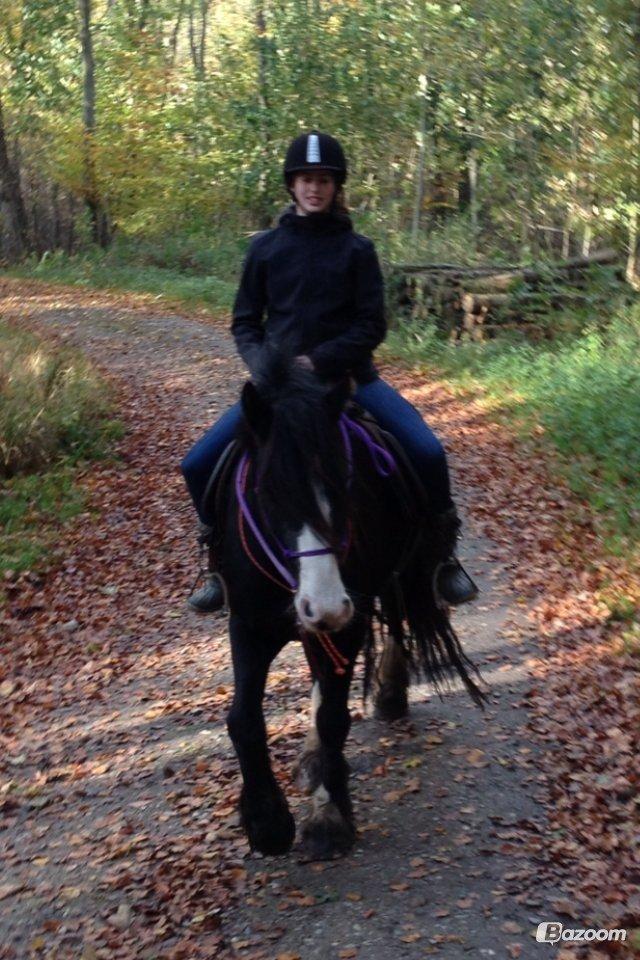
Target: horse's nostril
346, 603
308, 609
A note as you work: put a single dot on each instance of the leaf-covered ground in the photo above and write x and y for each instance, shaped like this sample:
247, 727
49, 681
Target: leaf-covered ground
118, 831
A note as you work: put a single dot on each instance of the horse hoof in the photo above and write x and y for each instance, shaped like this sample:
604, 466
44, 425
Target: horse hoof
268, 824
391, 705
307, 771
327, 837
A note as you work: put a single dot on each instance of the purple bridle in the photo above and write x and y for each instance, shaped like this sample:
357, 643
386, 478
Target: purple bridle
383, 462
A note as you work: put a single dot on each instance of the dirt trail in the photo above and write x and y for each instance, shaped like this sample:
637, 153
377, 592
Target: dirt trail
118, 831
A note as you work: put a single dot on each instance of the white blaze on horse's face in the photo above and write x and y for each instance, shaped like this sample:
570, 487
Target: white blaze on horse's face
321, 600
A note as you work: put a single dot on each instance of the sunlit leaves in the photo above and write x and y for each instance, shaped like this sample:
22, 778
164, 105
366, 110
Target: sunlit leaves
542, 91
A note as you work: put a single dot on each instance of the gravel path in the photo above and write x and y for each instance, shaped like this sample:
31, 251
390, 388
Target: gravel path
446, 803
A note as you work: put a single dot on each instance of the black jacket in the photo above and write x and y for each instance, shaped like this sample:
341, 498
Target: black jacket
322, 288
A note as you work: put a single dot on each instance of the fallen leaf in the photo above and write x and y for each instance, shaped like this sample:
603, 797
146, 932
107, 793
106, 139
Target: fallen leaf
122, 917
8, 889
71, 893
477, 758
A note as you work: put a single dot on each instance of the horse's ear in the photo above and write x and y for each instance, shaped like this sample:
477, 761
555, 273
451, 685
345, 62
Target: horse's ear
256, 411
337, 397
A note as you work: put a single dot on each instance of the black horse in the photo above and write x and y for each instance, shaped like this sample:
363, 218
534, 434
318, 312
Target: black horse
320, 540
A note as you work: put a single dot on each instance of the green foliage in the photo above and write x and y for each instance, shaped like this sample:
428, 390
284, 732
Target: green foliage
31, 511
52, 404
194, 114
580, 393
446, 242
54, 414
112, 270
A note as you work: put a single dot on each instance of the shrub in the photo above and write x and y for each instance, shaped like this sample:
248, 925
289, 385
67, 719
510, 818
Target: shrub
52, 404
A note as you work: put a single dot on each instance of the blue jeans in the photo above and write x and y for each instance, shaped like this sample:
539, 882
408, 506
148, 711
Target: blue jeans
389, 408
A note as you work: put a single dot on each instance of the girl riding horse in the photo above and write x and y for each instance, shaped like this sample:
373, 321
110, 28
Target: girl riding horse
321, 288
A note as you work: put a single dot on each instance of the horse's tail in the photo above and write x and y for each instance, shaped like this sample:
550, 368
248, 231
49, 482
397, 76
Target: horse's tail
413, 617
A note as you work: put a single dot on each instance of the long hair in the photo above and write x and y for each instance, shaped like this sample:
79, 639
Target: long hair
339, 204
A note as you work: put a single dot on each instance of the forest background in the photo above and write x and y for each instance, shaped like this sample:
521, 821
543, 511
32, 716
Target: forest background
162, 123
141, 143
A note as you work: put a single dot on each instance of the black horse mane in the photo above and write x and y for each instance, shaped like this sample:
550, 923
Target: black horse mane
302, 450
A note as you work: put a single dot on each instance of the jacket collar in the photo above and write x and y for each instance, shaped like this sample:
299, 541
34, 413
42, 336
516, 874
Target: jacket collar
332, 221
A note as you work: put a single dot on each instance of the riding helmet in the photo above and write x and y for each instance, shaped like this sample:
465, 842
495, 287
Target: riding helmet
315, 151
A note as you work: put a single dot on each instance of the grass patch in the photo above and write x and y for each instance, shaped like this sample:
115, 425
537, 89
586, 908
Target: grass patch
579, 395
185, 272
32, 509
54, 416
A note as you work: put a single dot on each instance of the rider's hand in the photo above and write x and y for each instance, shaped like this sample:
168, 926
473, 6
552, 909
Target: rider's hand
304, 361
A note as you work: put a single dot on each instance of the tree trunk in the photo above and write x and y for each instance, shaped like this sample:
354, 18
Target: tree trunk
144, 12
566, 236
204, 14
263, 101
198, 37
631, 272
472, 162
173, 41
91, 198
524, 232
422, 152
12, 208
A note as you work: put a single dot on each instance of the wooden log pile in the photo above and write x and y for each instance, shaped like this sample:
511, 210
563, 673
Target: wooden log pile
478, 302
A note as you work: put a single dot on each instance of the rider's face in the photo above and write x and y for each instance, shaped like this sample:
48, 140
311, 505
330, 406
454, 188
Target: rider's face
314, 191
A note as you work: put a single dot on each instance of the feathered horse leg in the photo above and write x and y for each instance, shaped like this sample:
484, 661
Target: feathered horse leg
307, 770
392, 676
329, 830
